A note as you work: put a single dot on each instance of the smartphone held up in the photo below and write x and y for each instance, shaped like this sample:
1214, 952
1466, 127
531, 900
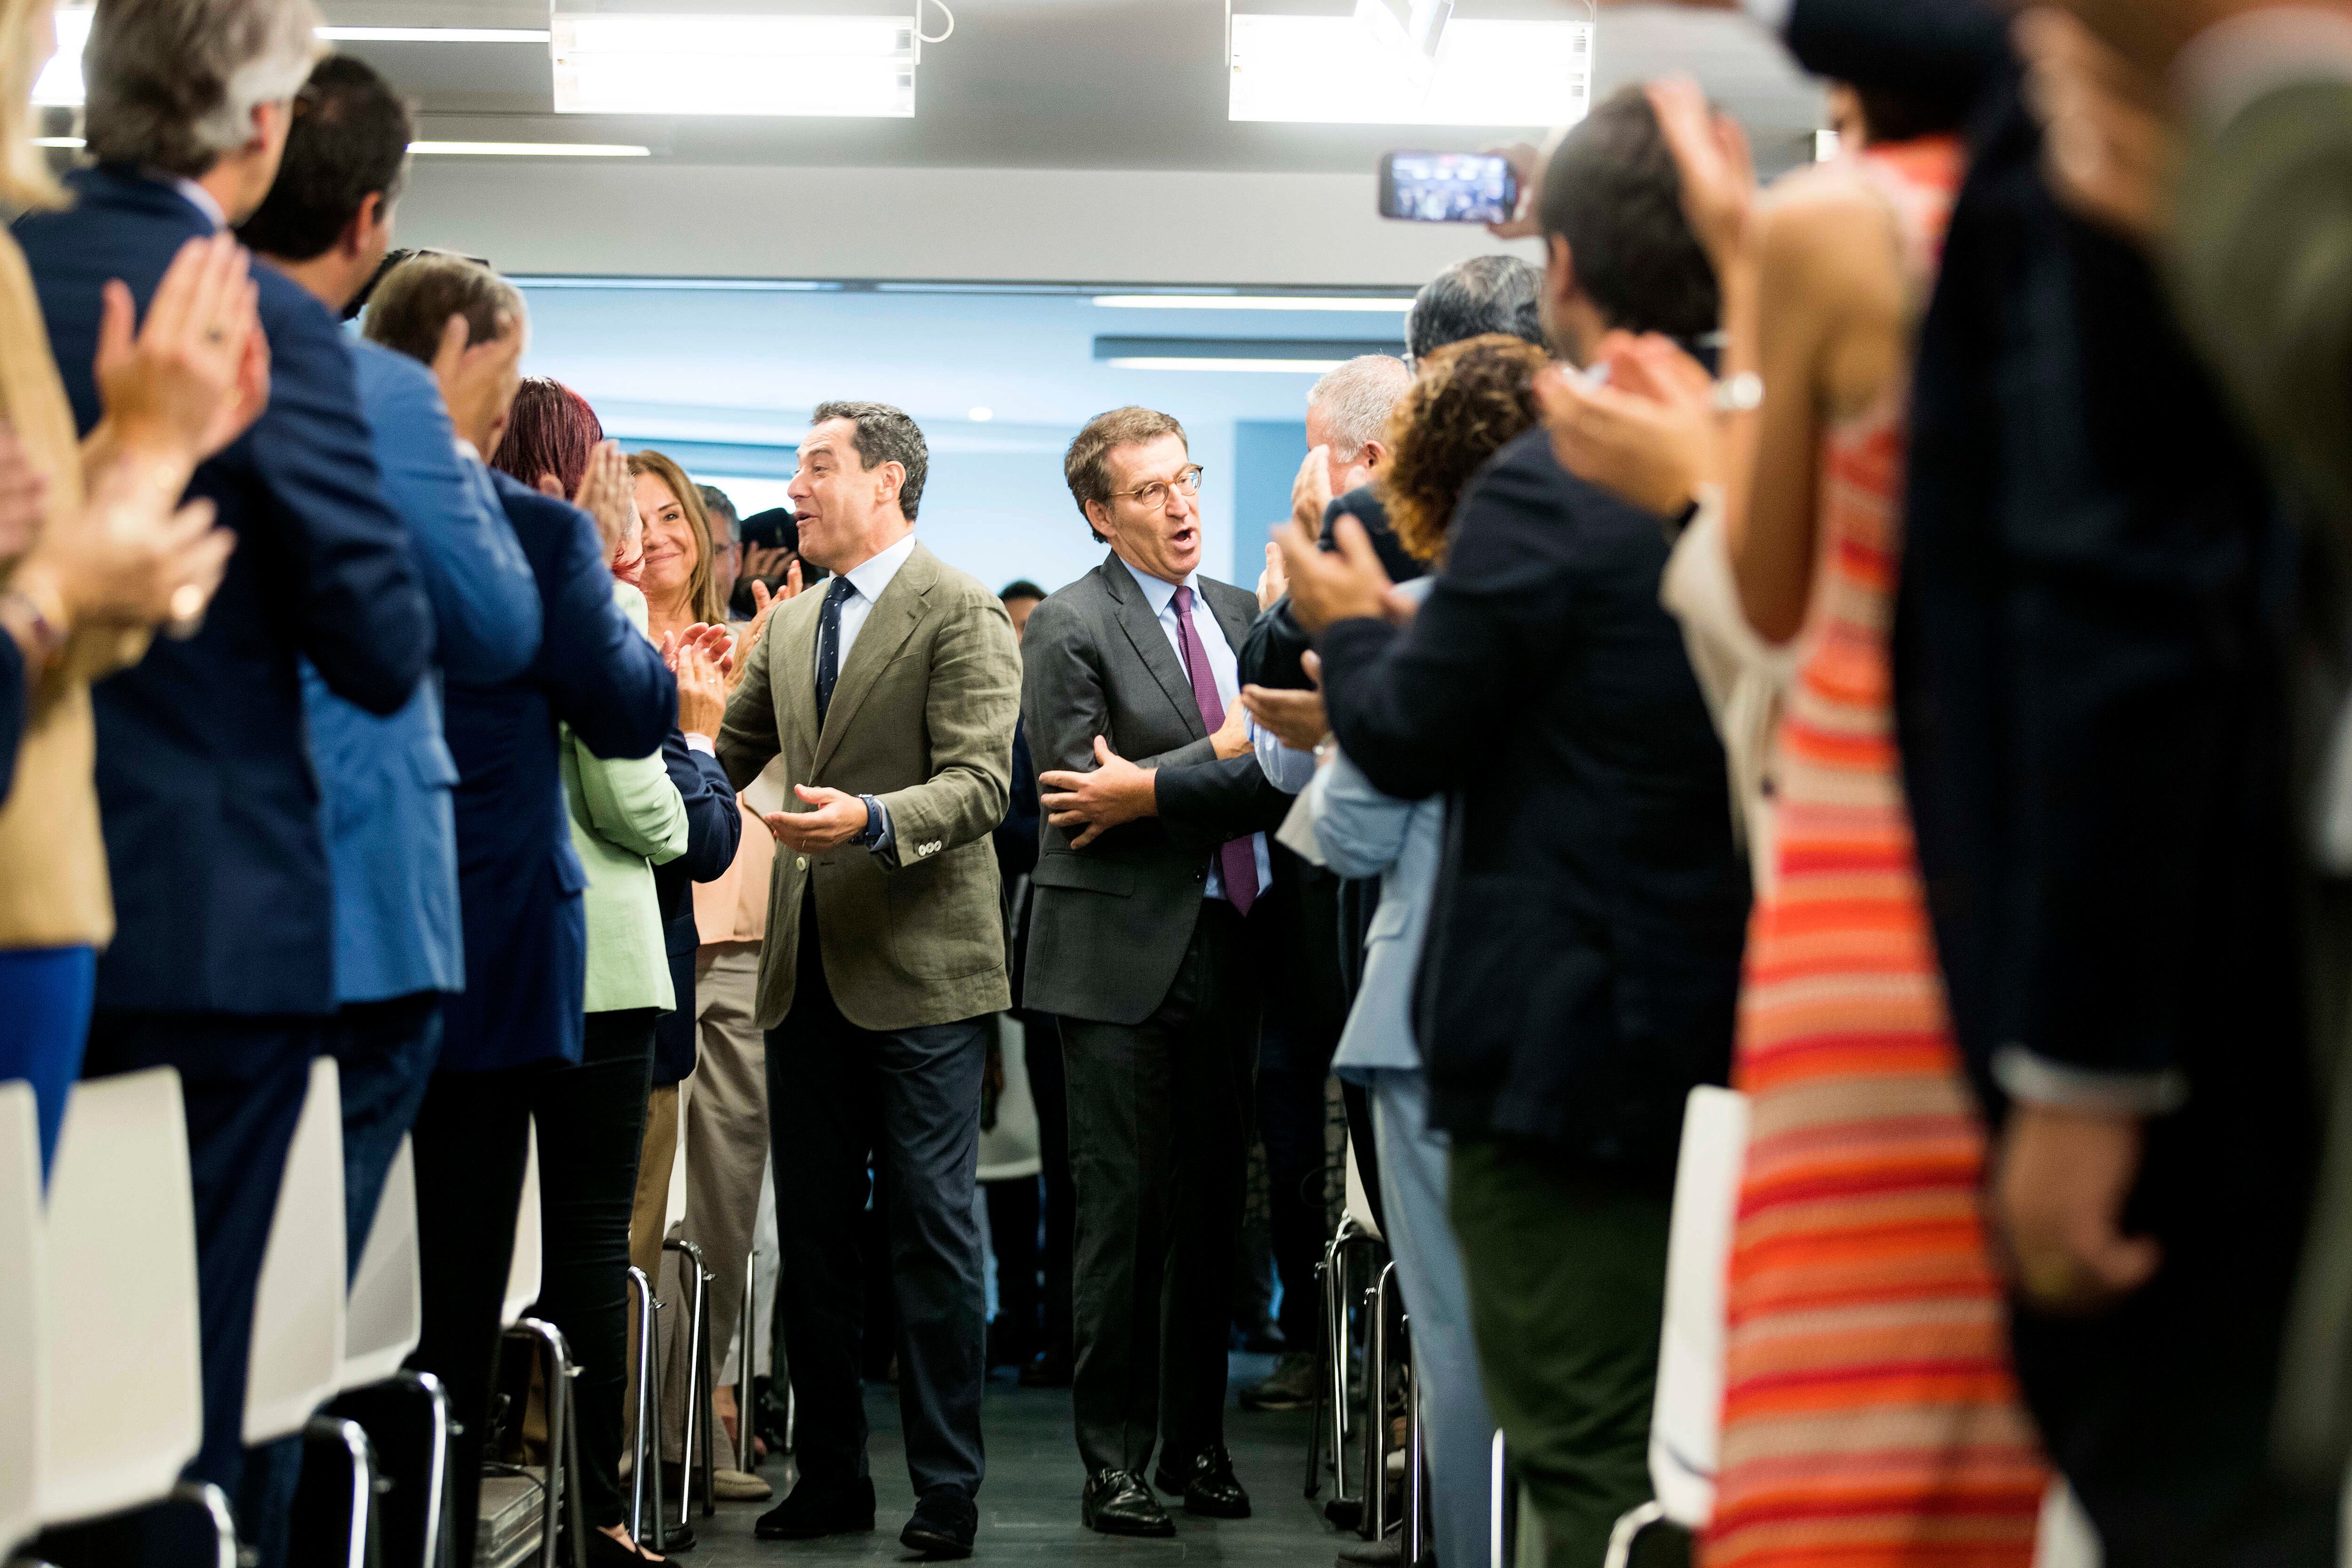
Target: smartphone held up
1448, 187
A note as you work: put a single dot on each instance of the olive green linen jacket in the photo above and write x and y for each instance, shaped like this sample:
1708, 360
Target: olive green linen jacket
626, 819
922, 717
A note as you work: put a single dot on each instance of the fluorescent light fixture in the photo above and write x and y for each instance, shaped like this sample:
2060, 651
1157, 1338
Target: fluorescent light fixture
703, 285
1251, 303
526, 150
59, 85
432, 34
60, 142
1333, 70
1280, 366
769, 65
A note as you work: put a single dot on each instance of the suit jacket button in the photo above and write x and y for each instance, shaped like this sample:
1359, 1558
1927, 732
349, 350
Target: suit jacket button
801, 863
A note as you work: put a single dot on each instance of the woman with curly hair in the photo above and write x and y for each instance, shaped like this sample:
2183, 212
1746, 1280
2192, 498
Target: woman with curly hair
1470, 398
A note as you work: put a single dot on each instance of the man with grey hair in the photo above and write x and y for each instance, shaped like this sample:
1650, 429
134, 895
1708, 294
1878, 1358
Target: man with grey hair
1484, 294
726, 550
222, 960
1347, 416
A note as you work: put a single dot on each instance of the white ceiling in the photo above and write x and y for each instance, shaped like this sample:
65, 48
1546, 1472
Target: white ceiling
1049, 84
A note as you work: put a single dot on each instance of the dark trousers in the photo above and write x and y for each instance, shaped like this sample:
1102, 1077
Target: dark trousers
591, 1129
1049, 1090
1159, 1118
243, 1081
1014, 1211
383, 1053
2159, 1411
1290, 1120
1567, 1279
906, 1103
472, 1135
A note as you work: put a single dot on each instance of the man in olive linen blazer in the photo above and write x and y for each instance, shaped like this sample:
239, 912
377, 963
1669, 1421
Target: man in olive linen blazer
891, 693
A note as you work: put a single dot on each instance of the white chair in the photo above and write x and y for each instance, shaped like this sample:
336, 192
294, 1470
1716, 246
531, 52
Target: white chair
122, 1390
20, 1314
1686, 1418
297, 1359
385, 1316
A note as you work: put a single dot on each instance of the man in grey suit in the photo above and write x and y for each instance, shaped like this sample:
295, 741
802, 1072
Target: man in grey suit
1153, 858
891, 695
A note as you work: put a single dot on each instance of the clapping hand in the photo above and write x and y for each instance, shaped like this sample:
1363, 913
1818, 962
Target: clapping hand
1649, 433
1274, 582
701, 688
1717, 170
1350, 583
1295, 718
834, 820
2111, 152
763, 605
24, 499
194, 375
1116, 792
476, 380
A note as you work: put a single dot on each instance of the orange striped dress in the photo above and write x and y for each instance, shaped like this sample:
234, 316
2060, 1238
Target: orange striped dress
1870, 1413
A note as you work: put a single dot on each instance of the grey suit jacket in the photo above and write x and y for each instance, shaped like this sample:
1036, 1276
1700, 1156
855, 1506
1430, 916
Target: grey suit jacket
1110, 923
922, 717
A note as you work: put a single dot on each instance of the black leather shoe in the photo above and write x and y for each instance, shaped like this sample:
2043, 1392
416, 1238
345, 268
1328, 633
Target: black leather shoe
1210, 1489
944, 1523
820, 1508
1119, 1503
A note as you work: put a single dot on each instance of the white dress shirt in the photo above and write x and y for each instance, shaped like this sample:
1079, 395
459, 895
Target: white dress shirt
1223, 667
865, 585
199, 198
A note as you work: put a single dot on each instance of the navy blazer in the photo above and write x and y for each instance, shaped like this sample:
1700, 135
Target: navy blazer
714, 828
392, 832
519, 879
1585, 937
214, 838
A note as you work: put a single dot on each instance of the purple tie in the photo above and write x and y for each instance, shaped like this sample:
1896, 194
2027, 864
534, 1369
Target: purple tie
1236, 857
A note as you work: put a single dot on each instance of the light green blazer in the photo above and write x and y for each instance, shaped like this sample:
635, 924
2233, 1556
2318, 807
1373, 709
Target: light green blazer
626, 819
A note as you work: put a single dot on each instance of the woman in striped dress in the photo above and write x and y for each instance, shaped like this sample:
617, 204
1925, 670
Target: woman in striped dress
1870, 1413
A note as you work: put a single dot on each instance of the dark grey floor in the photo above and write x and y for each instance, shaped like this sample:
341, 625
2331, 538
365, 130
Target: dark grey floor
1029, 1506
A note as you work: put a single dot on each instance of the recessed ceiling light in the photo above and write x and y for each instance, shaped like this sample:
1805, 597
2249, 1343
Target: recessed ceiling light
1249, 302
432, 34
788, 65
58, 142
1287, 366
983, 415
528, 149
1331, 70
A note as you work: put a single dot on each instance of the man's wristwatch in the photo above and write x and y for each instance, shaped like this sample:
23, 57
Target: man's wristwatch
871, 833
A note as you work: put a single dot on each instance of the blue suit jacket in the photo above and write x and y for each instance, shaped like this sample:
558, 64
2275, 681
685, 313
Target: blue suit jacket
222, 894
714, 828
392, 832
519, 881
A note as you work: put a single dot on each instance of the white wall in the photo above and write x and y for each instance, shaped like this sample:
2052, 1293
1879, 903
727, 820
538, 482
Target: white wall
645, 218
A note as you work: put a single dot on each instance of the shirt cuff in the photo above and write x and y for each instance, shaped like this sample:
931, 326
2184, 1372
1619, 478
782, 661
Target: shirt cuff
2038, 1080
1289, 771
2230, 64
698, 742
877, 822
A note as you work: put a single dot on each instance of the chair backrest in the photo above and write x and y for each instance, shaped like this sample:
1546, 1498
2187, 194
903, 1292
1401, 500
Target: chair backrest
297, 1361
20, 1314
386, 1311
122, 1402
1358, 1207
522, 1270
1686, 1422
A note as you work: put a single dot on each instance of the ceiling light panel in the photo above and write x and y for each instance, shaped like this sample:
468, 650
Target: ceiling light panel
526, 150
1352, 304
59, 85
432, 34
765, 65
1333, 70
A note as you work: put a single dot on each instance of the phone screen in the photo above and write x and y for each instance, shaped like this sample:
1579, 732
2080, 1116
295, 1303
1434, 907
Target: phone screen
1448, 187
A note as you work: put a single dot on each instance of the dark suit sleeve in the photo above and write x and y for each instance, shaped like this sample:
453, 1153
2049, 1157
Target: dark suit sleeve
1272, 653
605, 680
361, 611
713, 826
1213, 802
1947, 51
1418, 706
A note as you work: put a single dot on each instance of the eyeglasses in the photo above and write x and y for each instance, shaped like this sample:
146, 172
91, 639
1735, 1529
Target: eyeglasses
1155, 494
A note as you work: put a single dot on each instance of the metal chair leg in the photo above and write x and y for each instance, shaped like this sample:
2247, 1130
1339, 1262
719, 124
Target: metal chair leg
1376, 1409
646, 1414
1416, 1492
1496, 1490
1630, 1524
214, 1502
747, 1450
699, 1414
650, 1445
562, 1490
437, 1476
353, 1440
1322, 1373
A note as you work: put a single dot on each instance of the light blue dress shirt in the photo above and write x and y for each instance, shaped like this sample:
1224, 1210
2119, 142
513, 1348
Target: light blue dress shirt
1223, 665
